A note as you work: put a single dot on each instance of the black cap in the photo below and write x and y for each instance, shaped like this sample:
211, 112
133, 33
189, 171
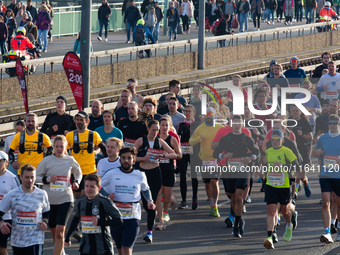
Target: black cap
83, 114
325, 101
61, 97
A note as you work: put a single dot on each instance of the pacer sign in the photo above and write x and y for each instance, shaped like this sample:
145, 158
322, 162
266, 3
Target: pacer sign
74, 73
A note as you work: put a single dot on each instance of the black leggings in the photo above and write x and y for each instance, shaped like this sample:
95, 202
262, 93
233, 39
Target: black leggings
154, 177
185, 22
196, 12
258, 16
279, 13
289, 18
183, 166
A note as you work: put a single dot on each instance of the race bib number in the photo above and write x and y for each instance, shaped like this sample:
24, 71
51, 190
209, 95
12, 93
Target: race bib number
331, 95
276, 179
209, 163
296, 85
329, 161
235, 163
87, 225
153, 153
187, 148
60, 184
129, 142
126, 209
26, 220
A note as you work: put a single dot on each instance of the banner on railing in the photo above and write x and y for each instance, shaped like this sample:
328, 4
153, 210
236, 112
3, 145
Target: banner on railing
22, 82
74, 73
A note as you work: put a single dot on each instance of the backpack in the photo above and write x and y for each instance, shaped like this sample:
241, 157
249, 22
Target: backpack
76, 147
140, 35
22, 142
214, 27
235, 23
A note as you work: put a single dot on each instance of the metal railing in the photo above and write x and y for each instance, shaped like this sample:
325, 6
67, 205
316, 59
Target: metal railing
270, 34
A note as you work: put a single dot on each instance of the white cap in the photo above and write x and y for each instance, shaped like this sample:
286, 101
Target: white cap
3, 155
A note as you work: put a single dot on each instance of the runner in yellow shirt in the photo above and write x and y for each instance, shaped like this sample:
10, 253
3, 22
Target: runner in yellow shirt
30, 143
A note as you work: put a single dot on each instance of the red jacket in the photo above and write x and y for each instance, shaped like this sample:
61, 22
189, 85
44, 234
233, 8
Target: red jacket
25, 42
329, 13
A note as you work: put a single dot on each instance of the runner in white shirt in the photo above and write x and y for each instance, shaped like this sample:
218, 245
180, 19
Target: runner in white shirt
30, 212
8, 182
55, 172
329, 83
125, 185
113, 146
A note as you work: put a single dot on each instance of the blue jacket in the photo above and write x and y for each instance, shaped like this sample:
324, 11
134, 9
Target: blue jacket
176, 17
76, 46
132, 14
147, 34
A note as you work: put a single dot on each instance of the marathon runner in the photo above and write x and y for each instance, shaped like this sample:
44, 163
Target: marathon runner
204, 135
113, 146
125, 185
277, 188
96, 213
234, 147
9, 181
328, 148
30, 213
150, 106
54, 172
150, 154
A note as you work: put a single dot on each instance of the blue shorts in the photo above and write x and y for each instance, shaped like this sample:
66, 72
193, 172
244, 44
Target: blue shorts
329, 185
126, 234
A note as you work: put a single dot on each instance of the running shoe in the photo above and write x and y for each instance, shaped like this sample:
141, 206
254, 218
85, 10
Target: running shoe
229, 221
216, 214
99, 38
300, 186
259, 180
326, 238
333, 229
244, 209
194, 204
241, 226
308, 191
274, 237
288, 234
148, 237
183, 205
173, 203
236, 233
294, 220
166, 217
160, 226
337, 237
320, 202
248, 200
268, 243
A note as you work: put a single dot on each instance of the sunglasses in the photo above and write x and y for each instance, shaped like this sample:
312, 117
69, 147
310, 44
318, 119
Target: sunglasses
333, 123
276, 138
132, 84
210, 114
293, 61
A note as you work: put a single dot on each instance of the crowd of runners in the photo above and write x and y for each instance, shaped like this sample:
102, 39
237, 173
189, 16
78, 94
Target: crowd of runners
93, 170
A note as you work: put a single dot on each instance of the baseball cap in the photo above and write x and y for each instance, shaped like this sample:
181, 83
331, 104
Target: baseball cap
332, 118
277, 132
273, 62
83, 114
3, 155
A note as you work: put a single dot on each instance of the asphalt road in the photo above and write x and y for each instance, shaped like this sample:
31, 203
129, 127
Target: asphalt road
116, 40
196, 232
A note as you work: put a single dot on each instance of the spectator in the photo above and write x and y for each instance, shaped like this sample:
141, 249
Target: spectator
279, 10
31, 29
196, 11
126, 4
96, 117
13, 7
173, 20
214, 12
11, 25
186, 14
244, 9
298, 10
141, 36
257, 7
104, 13
319, 6
288, 8
23, 21
23, 7
310, 6
3, 9
76, 47
18, 17
228, 7
132, 15
150, 20
271, 7
159, 15
51, 13
174, 87
42, 23
3, 35
146, 6
32, 10
336, 6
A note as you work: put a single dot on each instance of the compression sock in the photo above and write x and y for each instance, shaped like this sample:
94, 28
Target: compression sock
237, 220
270, 233
327, 230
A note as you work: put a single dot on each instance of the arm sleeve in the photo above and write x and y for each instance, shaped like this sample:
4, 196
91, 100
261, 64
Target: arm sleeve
147, 195
253, 147
319, 88
219, 148
11, 155
46, 215
73, 226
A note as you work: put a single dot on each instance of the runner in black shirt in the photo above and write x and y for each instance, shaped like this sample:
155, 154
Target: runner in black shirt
122, 112
96, 118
